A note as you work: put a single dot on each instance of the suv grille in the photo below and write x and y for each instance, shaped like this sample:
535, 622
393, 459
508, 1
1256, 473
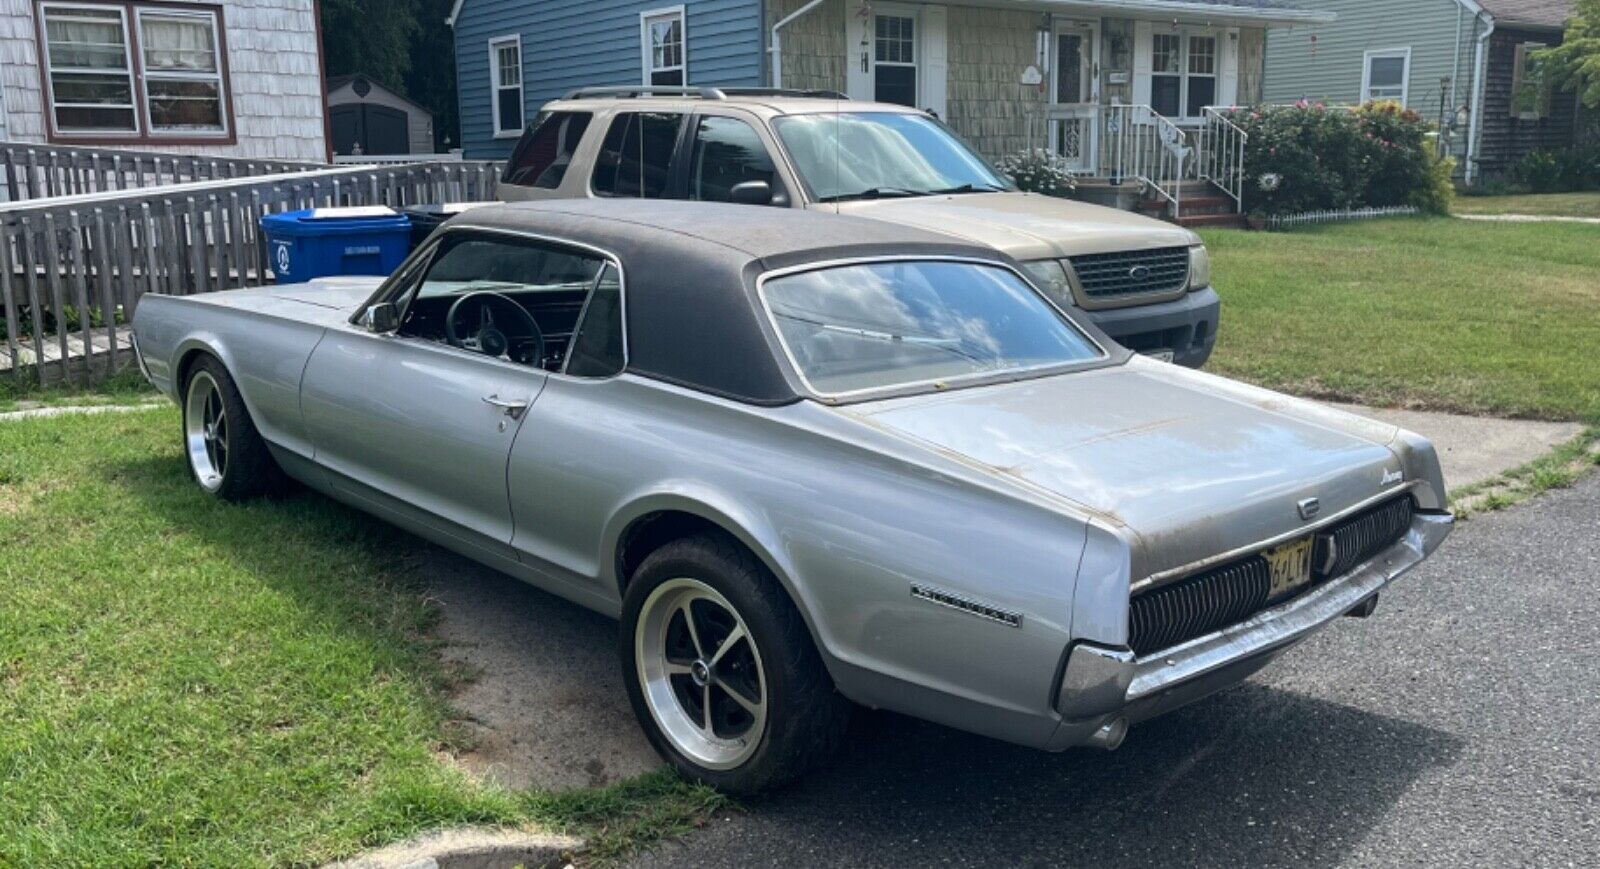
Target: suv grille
1206, 603
1126, 273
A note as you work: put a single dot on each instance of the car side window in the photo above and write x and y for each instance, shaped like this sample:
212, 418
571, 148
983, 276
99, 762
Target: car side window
636, 157
545, 152
597, 345
727, 152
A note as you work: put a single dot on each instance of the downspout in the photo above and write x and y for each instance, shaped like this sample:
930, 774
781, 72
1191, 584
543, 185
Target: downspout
1479, 87
775, 47
1455, 69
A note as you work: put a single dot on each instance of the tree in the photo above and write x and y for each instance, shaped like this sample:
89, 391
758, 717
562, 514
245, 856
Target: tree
403, 45
1575, 63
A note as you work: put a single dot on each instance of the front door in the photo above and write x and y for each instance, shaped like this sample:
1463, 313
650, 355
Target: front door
1074, 94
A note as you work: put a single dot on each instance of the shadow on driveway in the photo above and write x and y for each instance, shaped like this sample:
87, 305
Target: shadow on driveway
1252, 776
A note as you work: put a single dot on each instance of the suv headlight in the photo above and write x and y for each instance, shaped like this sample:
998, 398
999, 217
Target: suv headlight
1199, 267
1051, 277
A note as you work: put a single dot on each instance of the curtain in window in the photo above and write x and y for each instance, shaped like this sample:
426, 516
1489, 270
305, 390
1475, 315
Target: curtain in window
178, 44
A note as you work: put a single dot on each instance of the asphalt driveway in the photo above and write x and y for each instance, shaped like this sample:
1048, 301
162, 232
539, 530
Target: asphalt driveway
1456, 727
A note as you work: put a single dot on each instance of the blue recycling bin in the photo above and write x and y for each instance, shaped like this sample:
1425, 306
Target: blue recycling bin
322, 242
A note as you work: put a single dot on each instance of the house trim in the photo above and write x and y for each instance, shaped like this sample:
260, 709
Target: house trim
1405, 76
645, 17
143, 133
495, 43
1209, 11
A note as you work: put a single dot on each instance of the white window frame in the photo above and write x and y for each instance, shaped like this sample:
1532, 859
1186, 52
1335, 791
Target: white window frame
647, 58
50, 70
1519, 73
1404, 54
892, 11
170, 75
496, 86
1184, 35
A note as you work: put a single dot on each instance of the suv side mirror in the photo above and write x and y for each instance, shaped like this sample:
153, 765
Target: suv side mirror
381, 318
751, 193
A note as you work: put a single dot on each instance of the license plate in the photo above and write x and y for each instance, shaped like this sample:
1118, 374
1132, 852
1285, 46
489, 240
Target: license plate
1161, 355
1290, 566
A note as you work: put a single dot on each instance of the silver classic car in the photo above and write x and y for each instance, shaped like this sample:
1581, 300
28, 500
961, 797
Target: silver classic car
808, 461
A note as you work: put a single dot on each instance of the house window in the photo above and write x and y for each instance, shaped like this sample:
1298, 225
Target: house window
94, 53
1529, 96
663, 47
505, 73
1183, 74
894, 54
1386, 75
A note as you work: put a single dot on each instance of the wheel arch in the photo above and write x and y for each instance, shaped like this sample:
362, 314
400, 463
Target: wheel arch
652, 521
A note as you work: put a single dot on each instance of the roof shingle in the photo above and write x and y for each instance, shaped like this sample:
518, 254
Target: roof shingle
1540, 13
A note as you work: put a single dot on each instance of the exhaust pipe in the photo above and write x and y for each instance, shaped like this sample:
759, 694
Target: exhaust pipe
1109, 737
1365, 608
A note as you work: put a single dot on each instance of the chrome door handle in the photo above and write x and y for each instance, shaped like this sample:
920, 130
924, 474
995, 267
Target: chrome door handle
512, 408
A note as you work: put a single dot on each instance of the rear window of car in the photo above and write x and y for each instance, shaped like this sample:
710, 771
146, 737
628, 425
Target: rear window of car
872, 326
636, 157
546, 150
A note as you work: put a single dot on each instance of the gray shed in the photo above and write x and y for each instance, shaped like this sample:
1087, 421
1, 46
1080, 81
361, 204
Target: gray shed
364, 113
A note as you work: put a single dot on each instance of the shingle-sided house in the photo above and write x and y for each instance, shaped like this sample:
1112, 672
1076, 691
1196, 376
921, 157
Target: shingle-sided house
227, 78
1462, 63
1006, 74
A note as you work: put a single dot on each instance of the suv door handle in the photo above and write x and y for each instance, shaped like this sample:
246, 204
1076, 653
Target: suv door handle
513, 408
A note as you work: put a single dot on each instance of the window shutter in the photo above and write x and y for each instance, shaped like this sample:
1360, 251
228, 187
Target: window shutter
935, 61
1228, 81
857, 81
1142, 37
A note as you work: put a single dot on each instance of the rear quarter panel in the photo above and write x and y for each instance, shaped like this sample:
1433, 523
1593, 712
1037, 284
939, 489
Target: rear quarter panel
264, 346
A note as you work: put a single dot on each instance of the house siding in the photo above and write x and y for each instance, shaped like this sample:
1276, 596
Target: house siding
987, 102
1329, 69
573, 43
274, 72
813, 44
1507, 138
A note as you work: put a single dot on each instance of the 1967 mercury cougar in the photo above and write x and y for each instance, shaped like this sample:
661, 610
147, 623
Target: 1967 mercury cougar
807, 460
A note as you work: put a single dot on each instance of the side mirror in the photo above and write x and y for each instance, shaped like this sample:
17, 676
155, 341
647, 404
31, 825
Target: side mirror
751, 193
381, 318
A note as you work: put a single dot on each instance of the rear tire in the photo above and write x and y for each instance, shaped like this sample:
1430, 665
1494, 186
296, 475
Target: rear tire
226, 454
721, 670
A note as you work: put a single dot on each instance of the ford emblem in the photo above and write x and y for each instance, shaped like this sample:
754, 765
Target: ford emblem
1139, 273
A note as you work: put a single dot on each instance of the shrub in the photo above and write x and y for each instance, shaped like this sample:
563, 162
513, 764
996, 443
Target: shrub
1312, 158
1037, 171
1564, 171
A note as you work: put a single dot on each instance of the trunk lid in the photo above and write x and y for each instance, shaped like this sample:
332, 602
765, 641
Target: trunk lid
1194, 471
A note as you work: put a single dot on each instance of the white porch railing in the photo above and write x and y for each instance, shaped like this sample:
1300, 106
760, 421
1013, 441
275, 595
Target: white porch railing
1137, 143
1221, 153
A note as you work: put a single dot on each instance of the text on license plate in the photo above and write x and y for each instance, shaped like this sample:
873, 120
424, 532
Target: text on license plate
1290, 566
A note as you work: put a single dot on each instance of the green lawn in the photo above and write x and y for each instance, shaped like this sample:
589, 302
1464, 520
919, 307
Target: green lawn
1540, 204
23, 390
1435, 313
186, 682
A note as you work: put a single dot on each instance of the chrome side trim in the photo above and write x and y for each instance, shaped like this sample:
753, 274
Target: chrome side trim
1292, 621
966, 604
1176, 573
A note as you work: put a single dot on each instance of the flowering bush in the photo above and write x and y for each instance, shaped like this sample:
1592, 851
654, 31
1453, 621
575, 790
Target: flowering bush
1309, 157
1037, 171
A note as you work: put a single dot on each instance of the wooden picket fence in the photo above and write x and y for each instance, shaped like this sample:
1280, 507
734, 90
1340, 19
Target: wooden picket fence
72, 268
33, 171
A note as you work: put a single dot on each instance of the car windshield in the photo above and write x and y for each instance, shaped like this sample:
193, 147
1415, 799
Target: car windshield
877, 325
871, 155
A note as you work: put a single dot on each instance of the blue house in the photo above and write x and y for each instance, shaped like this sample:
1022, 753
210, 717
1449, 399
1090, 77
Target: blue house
1025, 74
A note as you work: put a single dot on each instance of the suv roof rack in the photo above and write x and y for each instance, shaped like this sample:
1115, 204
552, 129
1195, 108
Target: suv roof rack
704, 93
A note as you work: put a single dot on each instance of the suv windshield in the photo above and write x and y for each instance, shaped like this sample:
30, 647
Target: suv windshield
875, 325
868, 155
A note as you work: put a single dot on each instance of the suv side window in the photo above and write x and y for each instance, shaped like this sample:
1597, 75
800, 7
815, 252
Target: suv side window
636, 157
546, 150
727, 152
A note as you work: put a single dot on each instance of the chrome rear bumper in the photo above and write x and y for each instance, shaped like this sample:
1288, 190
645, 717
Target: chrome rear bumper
1102, 690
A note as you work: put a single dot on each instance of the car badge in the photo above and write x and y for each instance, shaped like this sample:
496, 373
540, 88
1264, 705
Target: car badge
1309, 508
1391, 477
1139, 273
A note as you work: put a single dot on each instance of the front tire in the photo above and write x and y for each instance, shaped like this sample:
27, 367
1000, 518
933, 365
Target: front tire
227, 456
721, 670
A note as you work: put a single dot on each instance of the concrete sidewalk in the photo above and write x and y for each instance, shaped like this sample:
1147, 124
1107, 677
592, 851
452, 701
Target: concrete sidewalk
1475, 448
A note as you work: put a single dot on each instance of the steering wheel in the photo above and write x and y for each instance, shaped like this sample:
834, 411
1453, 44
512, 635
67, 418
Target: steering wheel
489, 338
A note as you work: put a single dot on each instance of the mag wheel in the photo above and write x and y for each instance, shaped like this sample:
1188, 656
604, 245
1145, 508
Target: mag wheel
226, 455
